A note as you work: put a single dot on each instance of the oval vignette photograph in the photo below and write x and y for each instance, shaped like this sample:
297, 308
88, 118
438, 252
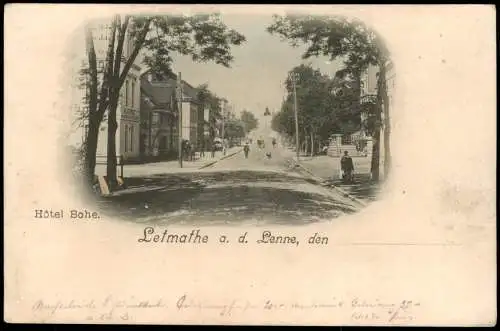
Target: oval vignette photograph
211, 119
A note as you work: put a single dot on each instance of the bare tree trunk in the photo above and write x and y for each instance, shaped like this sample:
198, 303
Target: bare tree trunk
171, 123
112, 126
91, 150
113, 100
312, 144
375, 164
150, 133
387, 123
305, 141
306, 144
93, 115
116, 82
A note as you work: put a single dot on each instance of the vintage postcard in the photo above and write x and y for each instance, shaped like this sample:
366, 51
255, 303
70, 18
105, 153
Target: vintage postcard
250, 164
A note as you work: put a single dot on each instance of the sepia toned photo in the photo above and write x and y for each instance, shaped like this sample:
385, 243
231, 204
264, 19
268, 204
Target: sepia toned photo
157, 148
250, 164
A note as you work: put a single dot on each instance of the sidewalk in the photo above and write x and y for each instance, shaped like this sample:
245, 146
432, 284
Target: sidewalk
167, 167
328, 169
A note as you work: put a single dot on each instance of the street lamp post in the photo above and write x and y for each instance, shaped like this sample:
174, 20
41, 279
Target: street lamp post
294, 76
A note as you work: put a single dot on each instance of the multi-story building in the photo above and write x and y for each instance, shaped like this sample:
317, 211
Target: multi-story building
159, 129
128, 114
159, 121
390, 83
368, 95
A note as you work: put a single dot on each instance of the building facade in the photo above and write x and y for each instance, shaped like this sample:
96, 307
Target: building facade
159, 129
391, 83
159, 116
128, 110
368, 94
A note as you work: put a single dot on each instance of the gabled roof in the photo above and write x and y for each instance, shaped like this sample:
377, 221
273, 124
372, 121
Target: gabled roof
162, 92
160, 95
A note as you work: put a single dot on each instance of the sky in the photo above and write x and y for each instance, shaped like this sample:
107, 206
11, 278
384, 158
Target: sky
260, 66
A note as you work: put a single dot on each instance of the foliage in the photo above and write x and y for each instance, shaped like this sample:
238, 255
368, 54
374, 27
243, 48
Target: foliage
321, 111
249, 120
332, 36
211, 102
357, 44
234, 129
203, 37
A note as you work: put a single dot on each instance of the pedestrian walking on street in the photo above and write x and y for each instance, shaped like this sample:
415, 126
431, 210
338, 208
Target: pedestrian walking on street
246, 150
202, 151
347, 167
274, 142
214, 148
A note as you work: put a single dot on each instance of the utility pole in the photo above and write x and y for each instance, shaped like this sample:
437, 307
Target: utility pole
293, 77
179, 107
224, 103
223, 110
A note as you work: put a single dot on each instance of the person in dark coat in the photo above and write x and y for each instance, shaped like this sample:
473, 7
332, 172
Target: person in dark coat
347, 167
246, 150
202, 150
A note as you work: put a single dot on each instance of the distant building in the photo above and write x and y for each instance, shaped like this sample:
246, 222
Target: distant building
159, 115
368, 93
159, 128
391, 83
360, 143
127, 134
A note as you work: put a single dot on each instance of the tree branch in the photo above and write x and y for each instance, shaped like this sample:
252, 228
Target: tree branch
103, 100
119, 46
132, 57
92, 70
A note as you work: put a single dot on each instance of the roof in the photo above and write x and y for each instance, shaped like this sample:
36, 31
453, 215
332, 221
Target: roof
162, 92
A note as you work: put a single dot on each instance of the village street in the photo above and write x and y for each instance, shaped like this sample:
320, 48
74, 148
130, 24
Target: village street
233, 190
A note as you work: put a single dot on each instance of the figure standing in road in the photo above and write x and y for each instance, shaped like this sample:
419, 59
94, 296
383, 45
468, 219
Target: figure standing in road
202, 151
274, 142
214, 148
347, 167
246, 149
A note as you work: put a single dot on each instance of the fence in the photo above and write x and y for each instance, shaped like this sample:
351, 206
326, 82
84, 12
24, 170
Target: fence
355, 145
103, 159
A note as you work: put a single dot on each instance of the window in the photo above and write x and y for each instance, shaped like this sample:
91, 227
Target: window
130, 45
102, 32
132, 104
126, 138
155, 118
126, 93
131, 138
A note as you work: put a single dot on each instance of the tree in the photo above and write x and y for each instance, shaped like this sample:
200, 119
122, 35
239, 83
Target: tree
249, 121
352, 40
315, 104
204, 37
234, 129
97, 103
211, 102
